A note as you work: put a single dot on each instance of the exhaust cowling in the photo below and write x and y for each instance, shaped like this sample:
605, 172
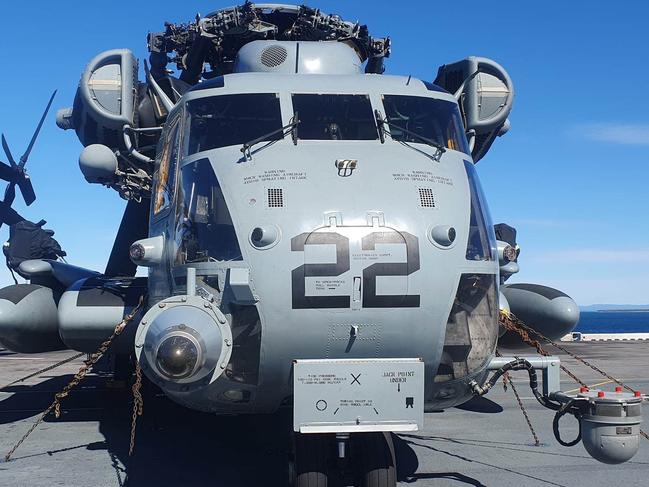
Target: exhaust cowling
28, 319
544, 309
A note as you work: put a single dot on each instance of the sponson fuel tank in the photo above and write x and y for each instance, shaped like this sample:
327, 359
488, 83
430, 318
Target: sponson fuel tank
90, 309
547, 310
28, 319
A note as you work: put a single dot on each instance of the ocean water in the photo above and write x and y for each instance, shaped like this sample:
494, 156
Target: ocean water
613, 322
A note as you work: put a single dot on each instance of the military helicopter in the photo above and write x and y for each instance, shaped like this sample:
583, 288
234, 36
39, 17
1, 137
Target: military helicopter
314, 231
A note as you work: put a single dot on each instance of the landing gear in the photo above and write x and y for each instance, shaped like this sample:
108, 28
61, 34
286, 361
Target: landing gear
360, 459
123, 367
122, 370
375, 460
313, 455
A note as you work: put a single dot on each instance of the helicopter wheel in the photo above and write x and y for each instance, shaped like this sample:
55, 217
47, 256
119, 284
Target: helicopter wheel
312, 460
376, 460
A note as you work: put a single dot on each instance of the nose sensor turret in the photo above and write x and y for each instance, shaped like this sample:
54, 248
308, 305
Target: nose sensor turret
184, 342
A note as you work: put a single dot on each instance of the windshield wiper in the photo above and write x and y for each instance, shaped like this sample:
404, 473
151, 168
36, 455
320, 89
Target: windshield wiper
380, 121
289, 128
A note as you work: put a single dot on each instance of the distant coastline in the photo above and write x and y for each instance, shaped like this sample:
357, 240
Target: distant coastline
622, 310
622, 320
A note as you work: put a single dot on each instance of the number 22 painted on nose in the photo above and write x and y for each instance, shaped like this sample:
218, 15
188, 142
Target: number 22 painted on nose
342, 265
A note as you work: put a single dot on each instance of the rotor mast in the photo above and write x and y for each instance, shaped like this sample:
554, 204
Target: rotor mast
216, 39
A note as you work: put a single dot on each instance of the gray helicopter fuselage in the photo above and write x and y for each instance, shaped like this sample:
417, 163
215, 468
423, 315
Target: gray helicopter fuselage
327, 248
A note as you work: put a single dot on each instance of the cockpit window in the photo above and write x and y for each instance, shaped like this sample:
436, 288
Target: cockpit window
166, 169
437, 120
204, 230
482, 237
225, 120
334, 117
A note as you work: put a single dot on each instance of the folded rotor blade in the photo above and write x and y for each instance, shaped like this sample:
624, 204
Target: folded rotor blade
24, 157
134, 226
27, 190
6, 172
8, 215
5, 146
10, 193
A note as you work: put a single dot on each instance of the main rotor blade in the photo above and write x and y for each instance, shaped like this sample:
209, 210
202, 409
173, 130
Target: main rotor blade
27, 190
6, 172
10, 193
5, 146
8, 215
24, 157
134, 226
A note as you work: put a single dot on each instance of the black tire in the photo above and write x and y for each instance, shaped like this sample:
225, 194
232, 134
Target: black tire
376, 458
312, 459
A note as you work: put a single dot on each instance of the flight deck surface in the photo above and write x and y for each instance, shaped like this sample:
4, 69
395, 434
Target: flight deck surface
483, 443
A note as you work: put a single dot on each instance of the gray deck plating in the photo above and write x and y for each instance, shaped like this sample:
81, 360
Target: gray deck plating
484, 443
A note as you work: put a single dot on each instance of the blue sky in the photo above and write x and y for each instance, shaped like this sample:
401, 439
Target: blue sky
572, 175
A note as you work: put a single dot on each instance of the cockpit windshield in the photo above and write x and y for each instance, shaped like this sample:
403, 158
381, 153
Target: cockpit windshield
482, 238
204, 230
437, 120
334, 117
225, 120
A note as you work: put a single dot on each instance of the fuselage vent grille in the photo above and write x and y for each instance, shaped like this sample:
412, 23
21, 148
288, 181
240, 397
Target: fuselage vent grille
275, 198
273, 56
426, 198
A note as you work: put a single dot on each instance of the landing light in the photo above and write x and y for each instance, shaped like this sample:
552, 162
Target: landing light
509, 253
506, 253
237, 395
